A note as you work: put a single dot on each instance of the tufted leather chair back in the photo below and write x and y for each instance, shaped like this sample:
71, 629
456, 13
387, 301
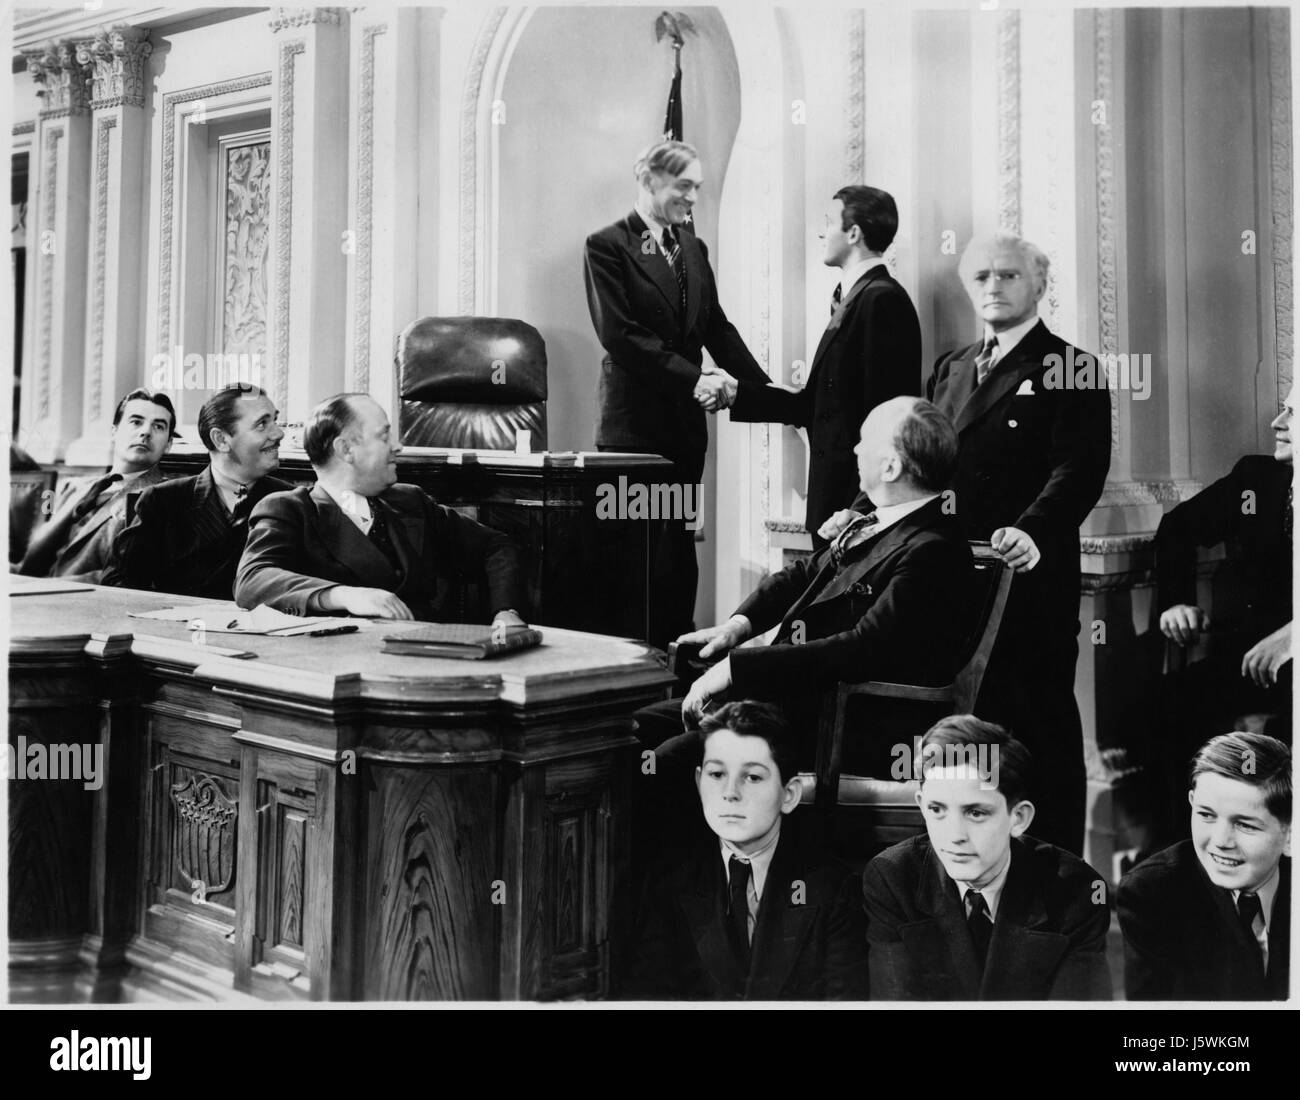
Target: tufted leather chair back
471, 382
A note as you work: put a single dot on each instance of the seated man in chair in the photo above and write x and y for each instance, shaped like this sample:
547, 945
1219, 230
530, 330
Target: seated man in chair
885, 601
357, 542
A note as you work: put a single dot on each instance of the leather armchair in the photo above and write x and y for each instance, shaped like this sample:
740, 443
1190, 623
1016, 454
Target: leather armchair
472, 382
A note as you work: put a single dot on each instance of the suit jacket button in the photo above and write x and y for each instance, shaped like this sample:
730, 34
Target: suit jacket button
1012, 424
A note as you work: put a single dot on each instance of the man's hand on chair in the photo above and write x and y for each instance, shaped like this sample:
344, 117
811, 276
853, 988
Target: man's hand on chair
1183, 622
717, 640
1266, 657
1016, 548
697, 702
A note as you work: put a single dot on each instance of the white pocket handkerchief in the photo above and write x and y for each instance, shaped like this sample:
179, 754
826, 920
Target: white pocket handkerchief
1026, 389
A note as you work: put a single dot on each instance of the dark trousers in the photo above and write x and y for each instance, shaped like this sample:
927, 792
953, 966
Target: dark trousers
674, 569
1029, 688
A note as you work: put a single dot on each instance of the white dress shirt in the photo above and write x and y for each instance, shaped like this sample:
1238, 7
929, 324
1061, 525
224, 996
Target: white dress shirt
850, 275
992, 892
759, 864
1266, 894
354, 506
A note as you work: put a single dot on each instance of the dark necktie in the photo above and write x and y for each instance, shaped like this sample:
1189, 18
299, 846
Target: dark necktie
87, 503
841, 545
1248, 909
836, 298
243, 505
673, 254
1288, 517
378, 535
984, 361
980, 924
738, 873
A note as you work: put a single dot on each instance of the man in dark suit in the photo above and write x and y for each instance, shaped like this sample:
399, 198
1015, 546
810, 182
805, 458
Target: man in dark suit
1033, 417
1209, 919
360, 543
975, 909
1251, 510
885, 601
655, 308
755, 912
90, 512
188, 533
870, 352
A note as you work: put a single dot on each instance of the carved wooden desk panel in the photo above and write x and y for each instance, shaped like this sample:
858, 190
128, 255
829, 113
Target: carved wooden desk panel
322, 821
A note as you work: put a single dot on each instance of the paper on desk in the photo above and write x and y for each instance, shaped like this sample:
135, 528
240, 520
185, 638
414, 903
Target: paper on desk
221, 619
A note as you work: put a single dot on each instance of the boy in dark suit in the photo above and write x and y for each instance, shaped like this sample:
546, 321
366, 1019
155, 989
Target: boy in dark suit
975, 909
1210, 918
753, 913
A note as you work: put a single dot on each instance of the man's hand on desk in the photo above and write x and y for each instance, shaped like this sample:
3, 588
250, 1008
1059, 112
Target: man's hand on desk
714, 682
715, 390
1264, 660
508, 617
366, 603
1183, 622
718, 639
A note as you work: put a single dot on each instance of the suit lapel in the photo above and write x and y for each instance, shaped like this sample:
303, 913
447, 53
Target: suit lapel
652, 262
862, 559
1022, 953
1020, 362
343, 540
211, 520
694, 261
938, 897
702, 905
105, 512
781, 928
407, 533
837, 318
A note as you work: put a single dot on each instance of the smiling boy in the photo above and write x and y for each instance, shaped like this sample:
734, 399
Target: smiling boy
754, 913
975, 909
1209, 918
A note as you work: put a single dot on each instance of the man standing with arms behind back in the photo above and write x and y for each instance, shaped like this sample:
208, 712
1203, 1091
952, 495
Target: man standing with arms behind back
870, 352
654, 304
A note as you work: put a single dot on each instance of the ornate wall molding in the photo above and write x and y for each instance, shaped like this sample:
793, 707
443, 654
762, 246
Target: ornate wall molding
99, 268
1107, 248
855, 102
49, 195
1116, 544
291, 18
64, 80
365, 206
168, 196
1122, 493
469, 111
1281, 191
1009, 121
117, 61
284, 217
21, 128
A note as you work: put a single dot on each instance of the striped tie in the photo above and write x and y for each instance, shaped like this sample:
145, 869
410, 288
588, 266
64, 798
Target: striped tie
849, 537
673, 254
984, 362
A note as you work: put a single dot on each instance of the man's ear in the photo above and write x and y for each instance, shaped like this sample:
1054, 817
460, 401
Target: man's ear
1022, 813
698, 772
1286, 846
170, 440
220, 440
790, 795
892, 469
342, 447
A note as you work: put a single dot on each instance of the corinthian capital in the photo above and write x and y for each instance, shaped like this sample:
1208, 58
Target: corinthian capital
63, 79
116, 57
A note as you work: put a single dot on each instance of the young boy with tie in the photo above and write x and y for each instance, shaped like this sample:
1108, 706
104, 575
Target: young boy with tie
753, 913
975, 909
1210, 917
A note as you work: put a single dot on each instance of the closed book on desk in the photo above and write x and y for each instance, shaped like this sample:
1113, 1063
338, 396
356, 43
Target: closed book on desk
464, 640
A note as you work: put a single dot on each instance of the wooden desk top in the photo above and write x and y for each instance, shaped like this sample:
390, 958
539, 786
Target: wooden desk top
567, 666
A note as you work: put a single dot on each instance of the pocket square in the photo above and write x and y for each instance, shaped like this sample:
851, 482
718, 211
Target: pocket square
1026, 389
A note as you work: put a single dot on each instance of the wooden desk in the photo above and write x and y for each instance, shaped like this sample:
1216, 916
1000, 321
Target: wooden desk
323, 821
582, 570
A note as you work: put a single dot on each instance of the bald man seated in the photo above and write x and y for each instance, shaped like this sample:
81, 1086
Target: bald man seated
358, 542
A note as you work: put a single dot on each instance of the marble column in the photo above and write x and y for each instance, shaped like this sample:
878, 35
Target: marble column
117, 59
309, 143
58, 238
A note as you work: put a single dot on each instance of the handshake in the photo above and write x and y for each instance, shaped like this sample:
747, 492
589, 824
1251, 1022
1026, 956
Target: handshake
715, 390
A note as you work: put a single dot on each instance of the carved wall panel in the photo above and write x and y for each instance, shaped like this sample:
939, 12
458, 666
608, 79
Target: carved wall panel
246, 233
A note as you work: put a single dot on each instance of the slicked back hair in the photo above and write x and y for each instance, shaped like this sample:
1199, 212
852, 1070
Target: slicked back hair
1263, 762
